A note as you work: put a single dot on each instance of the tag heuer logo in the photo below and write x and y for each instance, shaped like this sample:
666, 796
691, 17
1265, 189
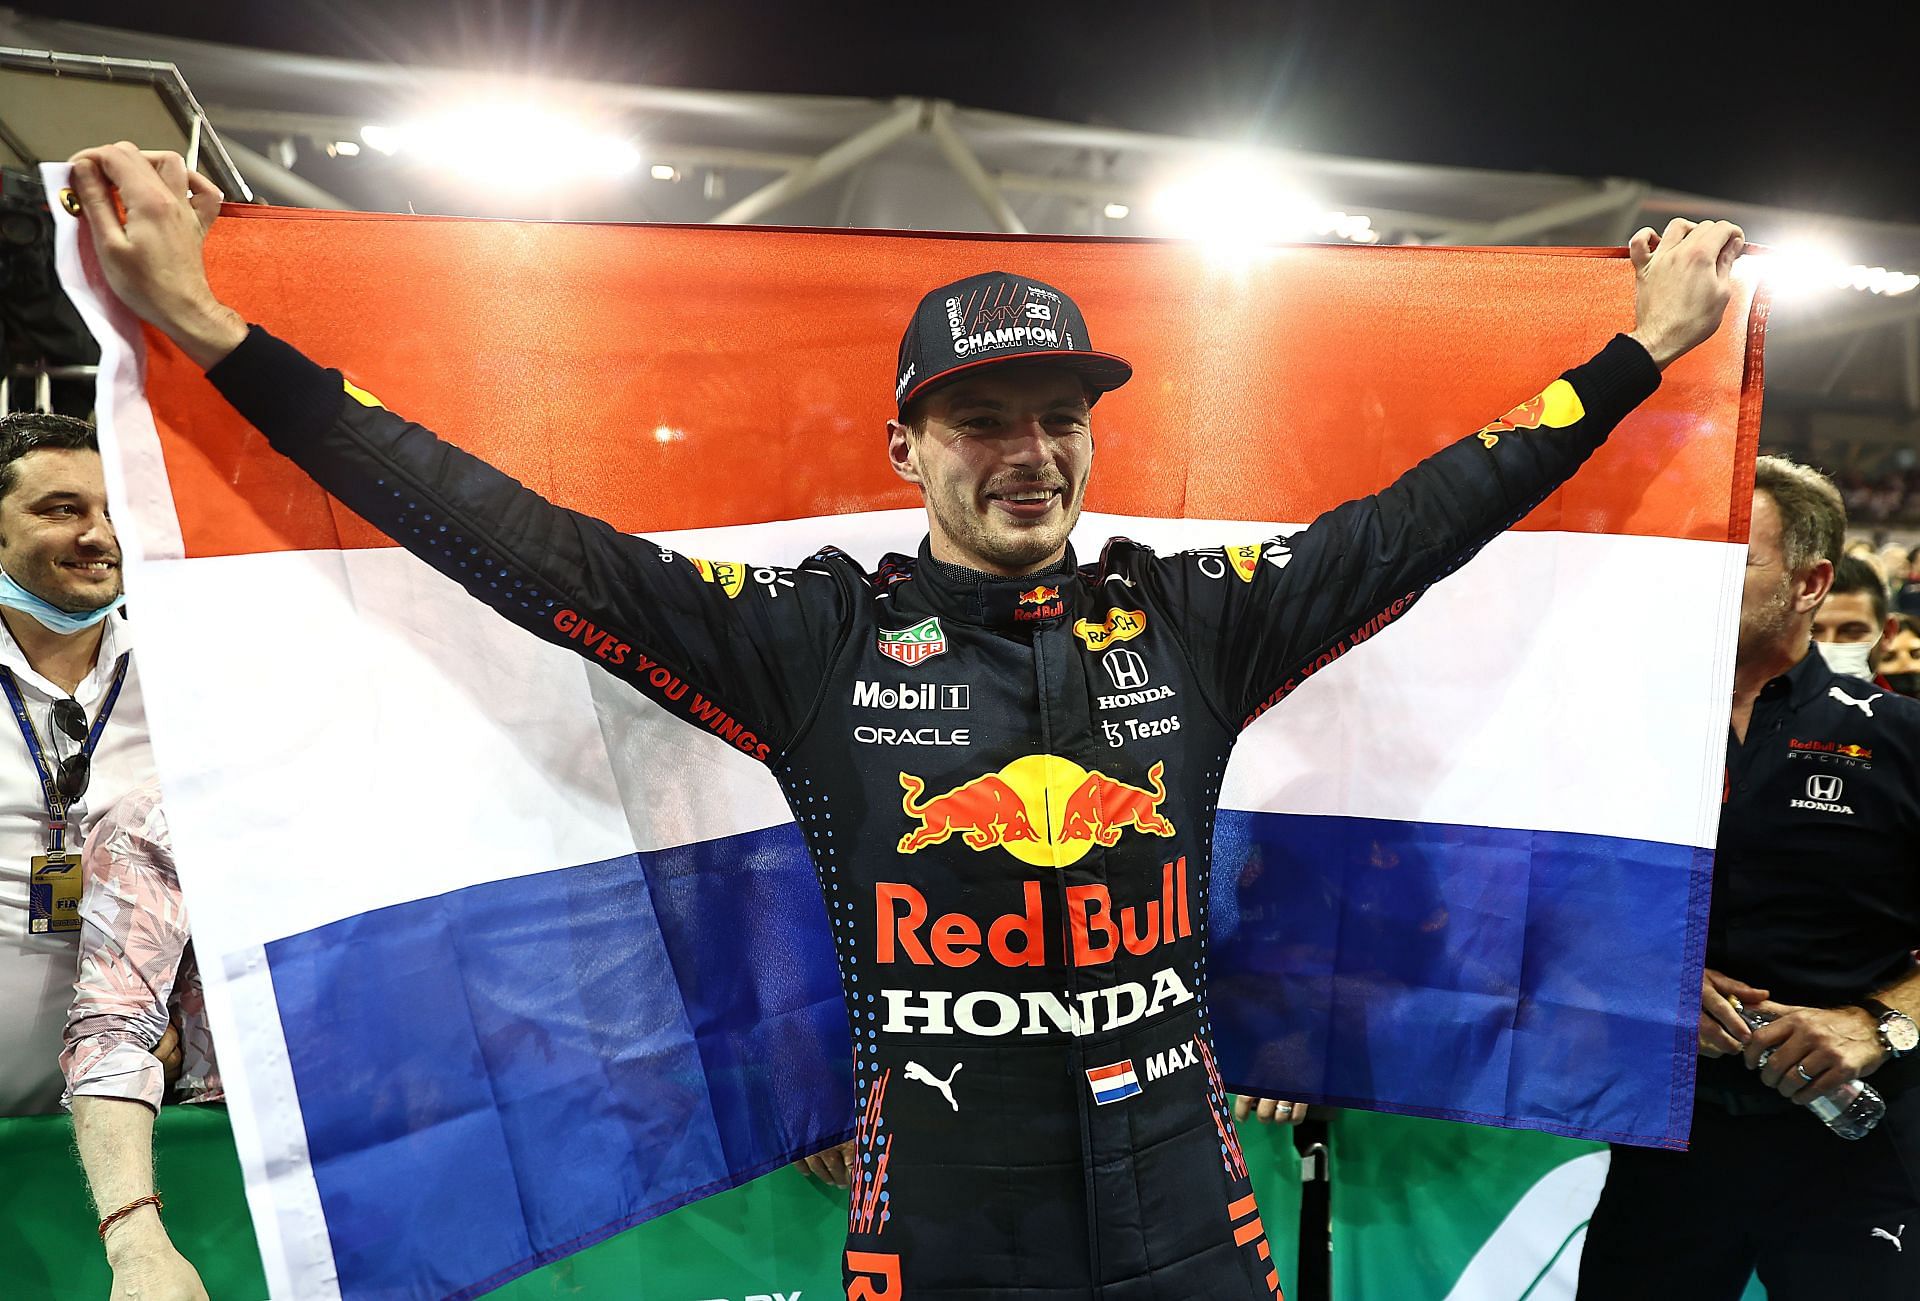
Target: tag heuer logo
916, 645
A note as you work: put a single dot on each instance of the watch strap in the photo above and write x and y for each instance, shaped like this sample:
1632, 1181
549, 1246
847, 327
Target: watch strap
1881, 1013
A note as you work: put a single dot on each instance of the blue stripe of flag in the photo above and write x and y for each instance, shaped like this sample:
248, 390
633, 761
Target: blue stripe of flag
503, 1075
1540, 980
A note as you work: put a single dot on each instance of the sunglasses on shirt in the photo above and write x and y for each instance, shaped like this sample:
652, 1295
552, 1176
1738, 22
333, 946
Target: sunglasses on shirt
72, 773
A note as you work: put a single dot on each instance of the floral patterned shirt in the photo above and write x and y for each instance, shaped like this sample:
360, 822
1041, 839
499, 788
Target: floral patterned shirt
137, 971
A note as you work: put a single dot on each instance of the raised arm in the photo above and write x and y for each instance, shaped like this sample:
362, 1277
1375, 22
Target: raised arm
1265, 617
738, 650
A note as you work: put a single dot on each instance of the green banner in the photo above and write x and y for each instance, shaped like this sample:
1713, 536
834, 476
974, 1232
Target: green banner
48, 1248
1423, 1210
1429, 1210
776, 1238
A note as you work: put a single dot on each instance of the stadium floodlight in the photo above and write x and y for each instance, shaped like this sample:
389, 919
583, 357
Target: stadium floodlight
1794, 273
1239, 203
1355, 228
482, 138
381, 139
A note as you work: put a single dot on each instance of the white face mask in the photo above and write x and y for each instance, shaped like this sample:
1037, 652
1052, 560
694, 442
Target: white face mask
1847, 658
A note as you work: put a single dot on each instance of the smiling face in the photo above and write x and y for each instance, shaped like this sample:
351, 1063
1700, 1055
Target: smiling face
55, 537
1002, 458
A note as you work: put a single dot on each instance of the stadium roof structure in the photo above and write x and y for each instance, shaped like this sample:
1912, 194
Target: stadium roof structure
297, 128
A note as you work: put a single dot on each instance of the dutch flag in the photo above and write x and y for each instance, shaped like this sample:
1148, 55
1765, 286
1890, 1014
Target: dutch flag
597, 979
1114, 1083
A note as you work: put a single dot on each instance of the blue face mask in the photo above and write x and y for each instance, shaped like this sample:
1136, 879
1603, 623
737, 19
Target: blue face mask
51, 616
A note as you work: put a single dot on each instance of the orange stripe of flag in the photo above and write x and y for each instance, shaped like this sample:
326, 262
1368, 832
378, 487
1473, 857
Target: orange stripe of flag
767, 356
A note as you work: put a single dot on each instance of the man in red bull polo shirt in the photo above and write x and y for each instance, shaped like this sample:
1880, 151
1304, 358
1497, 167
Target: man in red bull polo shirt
1020, 893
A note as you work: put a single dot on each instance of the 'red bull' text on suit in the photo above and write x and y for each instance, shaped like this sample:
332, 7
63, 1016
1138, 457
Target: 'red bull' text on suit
1008, 788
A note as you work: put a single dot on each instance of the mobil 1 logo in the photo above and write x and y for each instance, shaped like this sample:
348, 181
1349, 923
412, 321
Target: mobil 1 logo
912, 695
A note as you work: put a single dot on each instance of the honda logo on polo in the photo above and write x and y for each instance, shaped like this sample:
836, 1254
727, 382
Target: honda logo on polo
1127, 670
1823, 796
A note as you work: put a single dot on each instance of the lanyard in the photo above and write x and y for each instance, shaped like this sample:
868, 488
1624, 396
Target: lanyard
56, 806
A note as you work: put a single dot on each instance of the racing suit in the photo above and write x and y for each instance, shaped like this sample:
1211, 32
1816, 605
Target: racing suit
1007, 786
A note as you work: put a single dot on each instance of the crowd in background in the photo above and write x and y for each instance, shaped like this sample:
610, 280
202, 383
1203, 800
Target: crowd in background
1897, 565
1886, 494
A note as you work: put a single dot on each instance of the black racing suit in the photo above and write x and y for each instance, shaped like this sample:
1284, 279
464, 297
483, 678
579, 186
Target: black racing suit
1008, 789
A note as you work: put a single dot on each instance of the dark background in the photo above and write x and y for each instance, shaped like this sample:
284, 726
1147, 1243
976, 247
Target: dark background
1815, 110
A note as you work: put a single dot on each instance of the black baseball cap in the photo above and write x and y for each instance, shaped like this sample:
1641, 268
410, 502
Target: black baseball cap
997, 317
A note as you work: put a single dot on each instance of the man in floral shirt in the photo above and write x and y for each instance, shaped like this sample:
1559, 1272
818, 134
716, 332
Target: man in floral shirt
137, 1000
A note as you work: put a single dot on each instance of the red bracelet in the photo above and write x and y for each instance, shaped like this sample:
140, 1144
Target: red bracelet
127, 1210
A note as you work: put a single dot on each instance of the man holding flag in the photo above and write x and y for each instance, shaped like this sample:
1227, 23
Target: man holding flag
1005, 764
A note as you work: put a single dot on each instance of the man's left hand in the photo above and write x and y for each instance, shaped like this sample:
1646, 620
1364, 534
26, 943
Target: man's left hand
1268, 1110
1815, 1050
832, 1166
171, 1056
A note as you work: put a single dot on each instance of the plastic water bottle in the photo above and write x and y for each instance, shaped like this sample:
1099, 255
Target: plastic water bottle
1851, 1111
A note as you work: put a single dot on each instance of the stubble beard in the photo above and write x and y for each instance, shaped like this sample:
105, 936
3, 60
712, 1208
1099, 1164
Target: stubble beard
46, 585
1008, 546
1765, 631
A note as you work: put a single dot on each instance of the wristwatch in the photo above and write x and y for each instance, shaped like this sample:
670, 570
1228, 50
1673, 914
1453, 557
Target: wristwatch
1898, 1034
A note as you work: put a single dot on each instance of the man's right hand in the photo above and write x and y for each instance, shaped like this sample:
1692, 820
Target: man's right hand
148, 1268
171, 1056
152, 258
1722, 1029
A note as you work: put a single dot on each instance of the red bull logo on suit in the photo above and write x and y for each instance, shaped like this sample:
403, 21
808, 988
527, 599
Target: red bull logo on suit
1040, 808
1040, 602
1556, 407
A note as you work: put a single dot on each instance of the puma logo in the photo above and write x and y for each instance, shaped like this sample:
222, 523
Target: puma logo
915, 1071
1894, 1238
1864, 706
